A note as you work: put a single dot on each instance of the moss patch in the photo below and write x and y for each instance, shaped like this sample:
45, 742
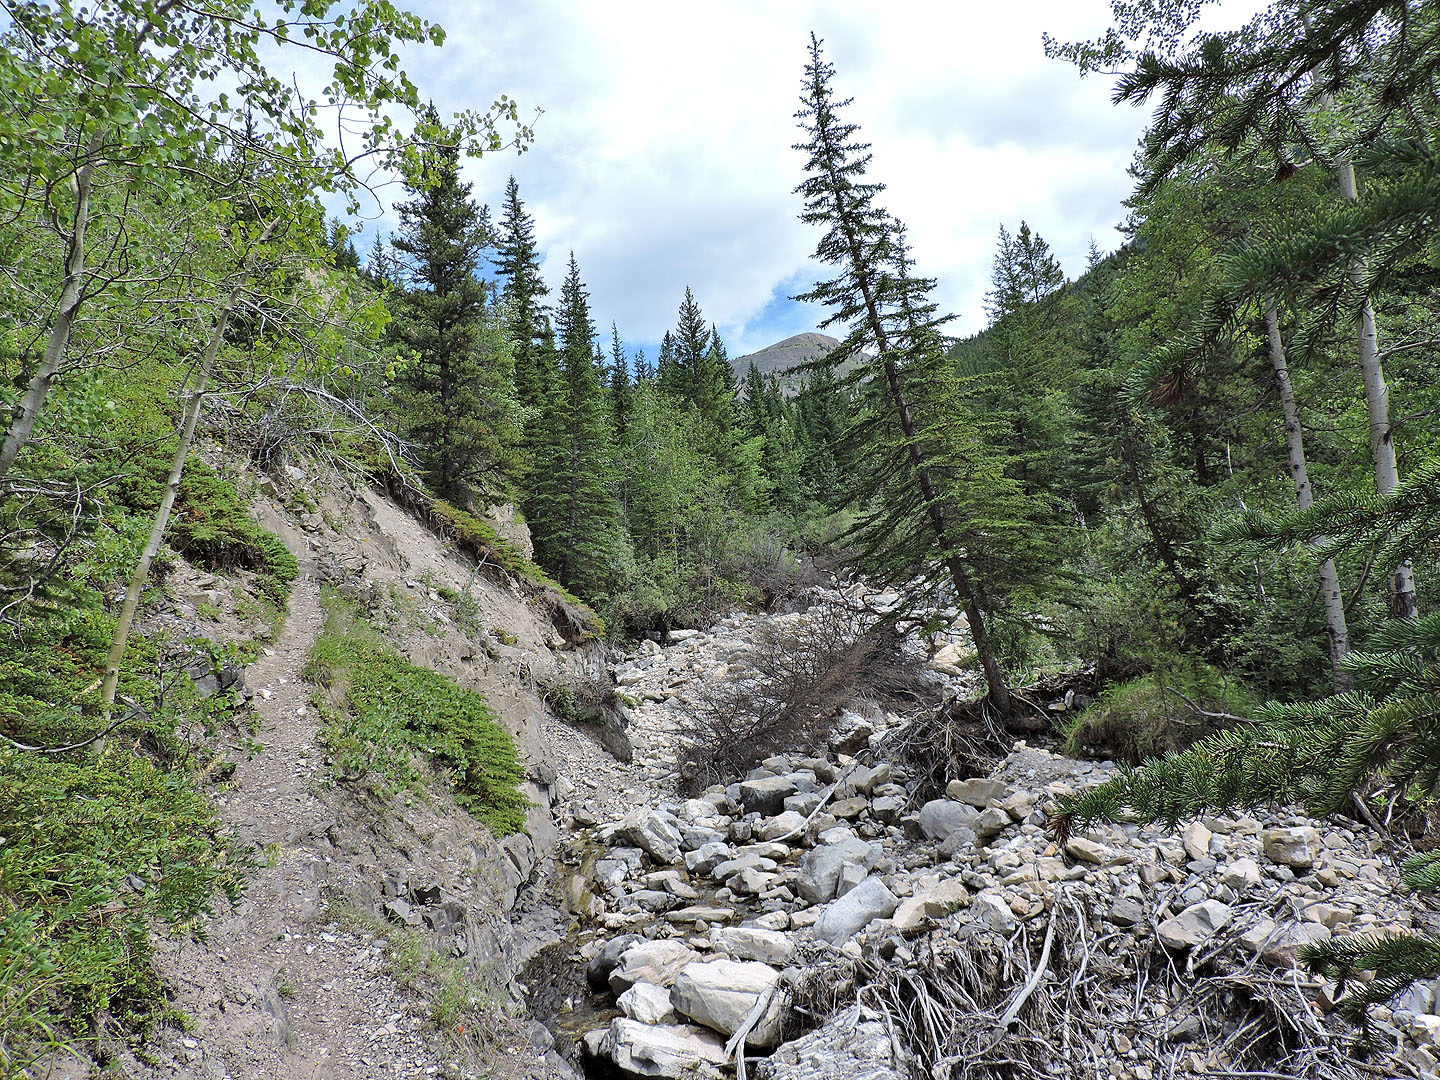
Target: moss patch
381, 712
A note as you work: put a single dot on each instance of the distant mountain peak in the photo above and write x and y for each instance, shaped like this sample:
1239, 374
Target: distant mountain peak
783, 356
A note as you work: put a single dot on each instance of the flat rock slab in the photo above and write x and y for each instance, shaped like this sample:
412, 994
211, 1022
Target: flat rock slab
678, 1051
655, 962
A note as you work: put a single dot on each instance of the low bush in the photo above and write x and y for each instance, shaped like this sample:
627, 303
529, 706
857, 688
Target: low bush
381, 711
1158, 713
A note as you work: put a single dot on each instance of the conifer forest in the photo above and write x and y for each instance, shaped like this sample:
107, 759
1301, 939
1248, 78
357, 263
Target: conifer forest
409, 669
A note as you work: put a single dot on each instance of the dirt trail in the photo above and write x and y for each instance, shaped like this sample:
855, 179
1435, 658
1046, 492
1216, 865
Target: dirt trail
278, 989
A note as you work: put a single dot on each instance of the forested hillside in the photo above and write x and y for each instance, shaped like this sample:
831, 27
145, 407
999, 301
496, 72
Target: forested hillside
1199, 478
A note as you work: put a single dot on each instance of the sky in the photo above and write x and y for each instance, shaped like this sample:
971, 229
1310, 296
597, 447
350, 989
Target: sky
663, 153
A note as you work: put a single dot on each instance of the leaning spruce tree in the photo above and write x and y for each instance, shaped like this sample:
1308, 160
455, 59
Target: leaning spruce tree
864, 295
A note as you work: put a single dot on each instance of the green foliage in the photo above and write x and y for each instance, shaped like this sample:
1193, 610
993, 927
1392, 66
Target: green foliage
1159, 712
381, 712
453, 397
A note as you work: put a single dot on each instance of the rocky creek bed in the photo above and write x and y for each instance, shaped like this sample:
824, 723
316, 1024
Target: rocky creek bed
818, 918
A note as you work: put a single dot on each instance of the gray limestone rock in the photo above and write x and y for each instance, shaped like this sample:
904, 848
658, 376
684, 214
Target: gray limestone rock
847, 916
767, 795
655, 962
721, 993
821, 867
941, 817
753, 943
1195, 924
678, 1051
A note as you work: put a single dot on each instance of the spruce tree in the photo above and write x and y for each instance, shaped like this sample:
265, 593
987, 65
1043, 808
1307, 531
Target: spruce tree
518, 263
912, 521
455, 395
621, 389
571, 508
689, 340
1028, 364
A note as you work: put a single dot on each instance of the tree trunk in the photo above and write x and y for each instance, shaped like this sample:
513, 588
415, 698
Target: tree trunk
27, 410
1304, 498
1377, 406
172, 485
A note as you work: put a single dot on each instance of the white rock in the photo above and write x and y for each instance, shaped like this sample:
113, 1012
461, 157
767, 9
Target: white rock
845, 917
989, 910
1297, 848
821, 867
940, 817
648, 1003
721, 993
678, 1051
753, 943
1196, 839
933, 898
655, 962
1194, 925
1242, 874
653, 833
979, 793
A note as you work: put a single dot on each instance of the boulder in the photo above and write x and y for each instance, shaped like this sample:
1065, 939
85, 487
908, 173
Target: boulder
1195, 924
653, 833
957, 841
845, 917
655, 962
1083, 850
1242, 874
753, 943
933, 898
597, 972
851, 1045
941, 817
648, 1003
721, 993
767, 795
1297, 848
1279, 946
865, 781
706, 857
1196, 839
785, 824
990, 911
679, 1051
991, 822
978, 793
819, 876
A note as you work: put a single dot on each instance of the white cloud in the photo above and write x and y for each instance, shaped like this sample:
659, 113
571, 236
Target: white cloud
664, 154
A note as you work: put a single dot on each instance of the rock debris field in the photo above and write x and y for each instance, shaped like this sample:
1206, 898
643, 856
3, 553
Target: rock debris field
955, 933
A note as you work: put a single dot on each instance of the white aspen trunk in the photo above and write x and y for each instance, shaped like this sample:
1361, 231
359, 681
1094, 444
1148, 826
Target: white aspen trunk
1377, 407
172, 485
1305, 498
27, 411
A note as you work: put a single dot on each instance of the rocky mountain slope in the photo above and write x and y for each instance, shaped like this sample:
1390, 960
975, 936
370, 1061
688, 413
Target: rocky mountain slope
782, 357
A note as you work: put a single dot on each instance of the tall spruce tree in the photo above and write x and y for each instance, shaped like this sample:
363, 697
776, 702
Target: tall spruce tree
1028, 365
622, 391
928, 503
572, 511
455, 395
524, 306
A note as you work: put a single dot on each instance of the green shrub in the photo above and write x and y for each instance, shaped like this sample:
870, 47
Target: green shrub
391, 710
1158, 713
94, 851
